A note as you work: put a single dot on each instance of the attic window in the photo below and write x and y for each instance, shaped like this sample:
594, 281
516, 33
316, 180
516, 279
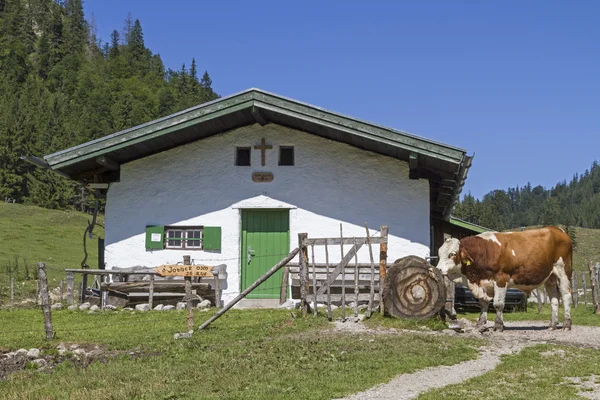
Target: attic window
242, 156
286, 155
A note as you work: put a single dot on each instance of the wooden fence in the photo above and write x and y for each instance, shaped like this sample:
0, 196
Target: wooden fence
328, 283
585, 287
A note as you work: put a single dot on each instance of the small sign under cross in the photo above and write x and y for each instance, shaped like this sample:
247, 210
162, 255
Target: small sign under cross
262, 149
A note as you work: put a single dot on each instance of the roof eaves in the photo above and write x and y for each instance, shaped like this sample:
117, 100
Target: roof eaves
468, 225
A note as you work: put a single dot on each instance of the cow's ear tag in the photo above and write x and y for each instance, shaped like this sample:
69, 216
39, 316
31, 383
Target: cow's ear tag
468, 262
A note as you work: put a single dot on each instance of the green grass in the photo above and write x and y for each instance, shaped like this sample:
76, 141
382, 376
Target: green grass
579, 315
377, 321
243, 355
587, 249
537, 372
29, 235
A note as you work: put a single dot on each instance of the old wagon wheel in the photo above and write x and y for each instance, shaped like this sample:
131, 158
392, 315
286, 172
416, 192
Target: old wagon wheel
413, 289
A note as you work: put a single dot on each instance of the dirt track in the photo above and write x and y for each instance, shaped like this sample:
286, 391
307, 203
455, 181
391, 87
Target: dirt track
516, 336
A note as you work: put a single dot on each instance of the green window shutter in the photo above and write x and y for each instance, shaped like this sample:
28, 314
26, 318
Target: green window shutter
155, 237
212, 238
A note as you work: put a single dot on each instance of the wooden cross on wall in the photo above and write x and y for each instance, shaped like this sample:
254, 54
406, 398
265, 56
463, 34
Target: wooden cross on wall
262, 149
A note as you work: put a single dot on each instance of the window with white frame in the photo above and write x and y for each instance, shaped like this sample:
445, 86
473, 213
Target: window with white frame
188, 237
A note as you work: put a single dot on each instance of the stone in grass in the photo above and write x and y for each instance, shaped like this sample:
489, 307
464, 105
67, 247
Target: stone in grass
186, 335
94, 308
159, 307
110, 307
21, 352
142, 307
33, 353
72, 307
57, 306
127, 309
169, 307
181, 306
85, 306
204, 304
40, 363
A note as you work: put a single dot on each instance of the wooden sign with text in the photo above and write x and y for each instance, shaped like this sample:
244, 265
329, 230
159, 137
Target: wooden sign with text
185, 270
262, 177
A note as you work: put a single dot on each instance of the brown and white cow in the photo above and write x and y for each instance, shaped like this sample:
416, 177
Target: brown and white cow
491, 262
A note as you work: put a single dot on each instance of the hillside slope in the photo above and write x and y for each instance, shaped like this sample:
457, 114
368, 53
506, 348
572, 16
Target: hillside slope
30, 234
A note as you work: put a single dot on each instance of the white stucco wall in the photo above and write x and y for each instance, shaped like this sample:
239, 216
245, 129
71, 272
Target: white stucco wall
198, 184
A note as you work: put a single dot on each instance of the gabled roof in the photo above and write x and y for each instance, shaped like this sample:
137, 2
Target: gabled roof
445, 166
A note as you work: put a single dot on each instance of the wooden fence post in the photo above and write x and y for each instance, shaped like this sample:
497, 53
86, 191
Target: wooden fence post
355, 281
70, 284
372, 289
37, 291
574, 289
303, 273
83, 293
314, 280
151, 292
595, 290
217, 290
43, 279
12, 292
329, 316
584, 284
62, 290
285, 277
343, 275
383, 247
188, 295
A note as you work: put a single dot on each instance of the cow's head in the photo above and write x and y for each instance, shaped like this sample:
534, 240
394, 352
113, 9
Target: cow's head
451, 258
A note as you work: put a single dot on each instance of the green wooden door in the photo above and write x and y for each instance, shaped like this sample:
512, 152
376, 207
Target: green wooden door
266, 236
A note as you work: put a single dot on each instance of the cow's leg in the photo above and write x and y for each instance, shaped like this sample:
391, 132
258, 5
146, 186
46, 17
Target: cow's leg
552, 290
564, 287
484, 304
499, 298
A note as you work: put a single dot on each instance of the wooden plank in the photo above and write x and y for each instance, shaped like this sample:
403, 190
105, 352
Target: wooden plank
250, 288
349, 270
123, 271
323, 276
382, 265
321, 298
338, 269
372, 288
362, 285
43, 279
338, 241
329, 315
204, 271
166, 286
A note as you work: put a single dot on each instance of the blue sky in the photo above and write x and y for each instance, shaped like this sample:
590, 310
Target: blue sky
515, 82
